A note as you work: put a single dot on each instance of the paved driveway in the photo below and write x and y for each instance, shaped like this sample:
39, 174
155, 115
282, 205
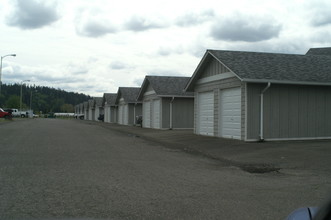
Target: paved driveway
69, 168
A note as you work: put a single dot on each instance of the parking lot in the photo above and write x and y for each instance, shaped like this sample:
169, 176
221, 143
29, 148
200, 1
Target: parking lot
52, 168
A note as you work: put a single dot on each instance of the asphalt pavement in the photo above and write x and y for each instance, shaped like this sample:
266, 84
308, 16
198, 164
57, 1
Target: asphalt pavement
53, 168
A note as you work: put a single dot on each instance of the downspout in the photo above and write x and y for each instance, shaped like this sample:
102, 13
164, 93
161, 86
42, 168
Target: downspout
261, 110
172, 100
134, 113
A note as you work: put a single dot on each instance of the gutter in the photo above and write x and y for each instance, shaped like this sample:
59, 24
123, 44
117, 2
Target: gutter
172, 100
261, 110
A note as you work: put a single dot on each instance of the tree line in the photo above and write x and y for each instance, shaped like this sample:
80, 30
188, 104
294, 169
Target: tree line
40, 99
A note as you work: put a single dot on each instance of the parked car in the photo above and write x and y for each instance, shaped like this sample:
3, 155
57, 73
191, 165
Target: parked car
101, 117
312, 213
5, 114
17, 113
79, 116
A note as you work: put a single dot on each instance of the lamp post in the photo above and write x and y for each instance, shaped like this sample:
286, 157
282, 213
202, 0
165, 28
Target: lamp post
21, 93
13, 55
31, 98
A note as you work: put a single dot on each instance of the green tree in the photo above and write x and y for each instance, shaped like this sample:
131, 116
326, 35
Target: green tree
13, 102
67, 108
2, 100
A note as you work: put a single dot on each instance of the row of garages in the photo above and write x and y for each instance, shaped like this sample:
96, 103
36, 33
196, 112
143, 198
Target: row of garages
232, 94
161, 102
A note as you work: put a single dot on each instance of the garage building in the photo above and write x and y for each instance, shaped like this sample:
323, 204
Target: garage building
165, 103
109, 106
263, 96
127, 105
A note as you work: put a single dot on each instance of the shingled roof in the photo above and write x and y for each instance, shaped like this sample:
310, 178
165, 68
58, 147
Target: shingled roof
319, 51
109, 98
271, 67
98, 101
166, 86
128, 93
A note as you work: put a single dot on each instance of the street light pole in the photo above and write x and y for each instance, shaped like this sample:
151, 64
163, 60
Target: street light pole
31, 99
21, 93
13, 55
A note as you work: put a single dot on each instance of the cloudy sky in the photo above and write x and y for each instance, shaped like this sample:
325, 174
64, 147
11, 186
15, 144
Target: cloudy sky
94, 47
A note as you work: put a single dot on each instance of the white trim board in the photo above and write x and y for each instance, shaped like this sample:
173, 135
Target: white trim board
216, 77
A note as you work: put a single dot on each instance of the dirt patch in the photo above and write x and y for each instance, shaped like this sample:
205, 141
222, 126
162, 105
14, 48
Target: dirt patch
259, 168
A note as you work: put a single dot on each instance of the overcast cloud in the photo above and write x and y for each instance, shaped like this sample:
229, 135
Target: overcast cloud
140, 23
96, 46
192, 18
249, 29
32, 14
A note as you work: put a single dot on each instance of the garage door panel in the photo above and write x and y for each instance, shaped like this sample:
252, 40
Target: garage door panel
126, 115
230, 113
231, 119
156, 114
146, 114
120, 114
206, 113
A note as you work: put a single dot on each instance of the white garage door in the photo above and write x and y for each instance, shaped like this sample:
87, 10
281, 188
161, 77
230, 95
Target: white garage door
120, 114
146, 114
156, 114
230, 113
205, 119
126, 114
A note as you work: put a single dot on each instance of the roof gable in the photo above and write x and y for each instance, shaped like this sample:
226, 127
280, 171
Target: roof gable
209, 67
165, 86
212, 68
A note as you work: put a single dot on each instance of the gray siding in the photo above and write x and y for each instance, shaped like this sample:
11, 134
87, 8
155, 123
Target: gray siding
165, 121
149, 88
134, 109
290, 111
216, 86
253, 110
214, 68
183, 111
113, 114
131, 113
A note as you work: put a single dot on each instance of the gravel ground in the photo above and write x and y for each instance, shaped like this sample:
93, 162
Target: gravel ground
52, 168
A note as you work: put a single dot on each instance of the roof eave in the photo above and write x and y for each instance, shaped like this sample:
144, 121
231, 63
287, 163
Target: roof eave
142, 89
176, 96
196, 71
287, 82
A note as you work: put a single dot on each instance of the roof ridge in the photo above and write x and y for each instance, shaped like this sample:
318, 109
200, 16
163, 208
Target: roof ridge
255, 52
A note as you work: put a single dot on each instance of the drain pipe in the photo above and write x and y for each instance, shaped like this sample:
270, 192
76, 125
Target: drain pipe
261, 110
134, 114
172, 100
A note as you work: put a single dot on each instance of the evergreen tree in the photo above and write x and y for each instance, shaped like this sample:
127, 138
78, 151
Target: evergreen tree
43, 99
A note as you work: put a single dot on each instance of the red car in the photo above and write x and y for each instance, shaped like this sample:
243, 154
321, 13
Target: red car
3, 114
